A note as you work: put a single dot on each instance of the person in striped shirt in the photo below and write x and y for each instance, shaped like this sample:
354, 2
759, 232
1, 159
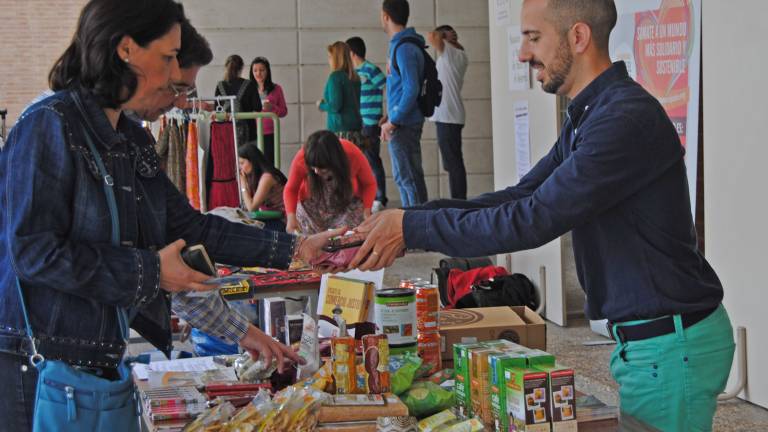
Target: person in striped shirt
371, 109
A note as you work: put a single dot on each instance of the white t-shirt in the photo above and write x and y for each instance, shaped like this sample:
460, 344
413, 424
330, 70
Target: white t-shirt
451, 67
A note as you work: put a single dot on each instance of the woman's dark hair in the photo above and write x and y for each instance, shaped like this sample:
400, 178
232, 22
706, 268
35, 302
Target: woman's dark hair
260, 165
234, 65
268, 84
323, 150
398, 11
91, 61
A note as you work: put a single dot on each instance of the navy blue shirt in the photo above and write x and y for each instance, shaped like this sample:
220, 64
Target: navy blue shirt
615, 178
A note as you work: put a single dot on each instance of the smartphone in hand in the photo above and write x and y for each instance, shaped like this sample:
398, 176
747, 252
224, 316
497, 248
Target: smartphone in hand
197, 258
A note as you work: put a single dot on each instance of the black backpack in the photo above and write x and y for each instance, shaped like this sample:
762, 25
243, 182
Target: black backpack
508, 290
431, 92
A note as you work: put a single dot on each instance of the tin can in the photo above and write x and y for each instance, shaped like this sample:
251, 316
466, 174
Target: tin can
429, 351
376, 363
406, 284
427, 308
395, 311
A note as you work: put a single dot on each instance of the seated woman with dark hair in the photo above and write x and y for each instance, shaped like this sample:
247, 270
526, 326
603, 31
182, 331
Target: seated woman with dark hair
330, 185
261, 184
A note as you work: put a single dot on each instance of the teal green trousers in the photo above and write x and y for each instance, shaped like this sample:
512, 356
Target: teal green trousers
671, 382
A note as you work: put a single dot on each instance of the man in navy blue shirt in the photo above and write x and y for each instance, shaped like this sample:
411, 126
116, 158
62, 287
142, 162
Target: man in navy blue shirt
616, 179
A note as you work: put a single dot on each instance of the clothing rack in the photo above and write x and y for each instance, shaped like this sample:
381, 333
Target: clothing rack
220, 115
259, 117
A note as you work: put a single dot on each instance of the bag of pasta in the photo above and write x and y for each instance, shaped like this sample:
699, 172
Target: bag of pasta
297, 410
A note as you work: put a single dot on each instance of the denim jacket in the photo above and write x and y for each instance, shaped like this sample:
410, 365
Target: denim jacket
55, 233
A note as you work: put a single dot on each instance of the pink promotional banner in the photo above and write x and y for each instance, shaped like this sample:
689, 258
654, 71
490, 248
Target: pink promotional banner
660, 40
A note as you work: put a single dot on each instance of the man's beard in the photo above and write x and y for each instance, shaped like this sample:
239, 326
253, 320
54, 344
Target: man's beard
558, 71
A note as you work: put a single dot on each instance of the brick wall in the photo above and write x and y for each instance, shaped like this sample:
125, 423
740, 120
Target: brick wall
34, 33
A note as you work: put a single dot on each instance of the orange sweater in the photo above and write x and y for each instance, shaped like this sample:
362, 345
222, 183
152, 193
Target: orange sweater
363, 182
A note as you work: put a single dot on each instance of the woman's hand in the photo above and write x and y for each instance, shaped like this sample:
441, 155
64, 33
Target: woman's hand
291, 224
177, 276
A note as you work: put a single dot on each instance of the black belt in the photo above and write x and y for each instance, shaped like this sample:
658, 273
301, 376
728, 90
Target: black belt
659, 327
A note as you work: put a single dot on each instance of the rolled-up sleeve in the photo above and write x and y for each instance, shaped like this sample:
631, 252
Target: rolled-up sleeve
212, 315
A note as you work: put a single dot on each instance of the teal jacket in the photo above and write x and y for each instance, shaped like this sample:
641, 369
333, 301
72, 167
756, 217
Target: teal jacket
341, 100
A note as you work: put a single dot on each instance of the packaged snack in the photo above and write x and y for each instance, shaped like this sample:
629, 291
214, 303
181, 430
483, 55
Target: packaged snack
480, 384
309, 348
403, 377
471, 425
396, 424
427, 398
344, 371
252, 415
296, 410
427, 308
431, 423
442, 376
211, 417
376, 363
429, 351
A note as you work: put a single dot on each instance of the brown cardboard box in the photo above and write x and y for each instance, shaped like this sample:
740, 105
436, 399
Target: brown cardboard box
518, 324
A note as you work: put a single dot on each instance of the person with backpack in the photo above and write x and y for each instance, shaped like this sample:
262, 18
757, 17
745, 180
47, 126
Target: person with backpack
246, 93
405, 119
449, 117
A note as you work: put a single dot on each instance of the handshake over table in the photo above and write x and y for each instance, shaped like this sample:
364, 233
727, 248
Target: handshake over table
373, 245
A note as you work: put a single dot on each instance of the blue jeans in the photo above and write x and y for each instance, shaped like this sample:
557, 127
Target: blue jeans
18, 401
372, 153
405, 149
449, 141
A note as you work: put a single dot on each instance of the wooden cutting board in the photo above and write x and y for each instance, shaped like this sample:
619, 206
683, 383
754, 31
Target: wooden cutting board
392, 407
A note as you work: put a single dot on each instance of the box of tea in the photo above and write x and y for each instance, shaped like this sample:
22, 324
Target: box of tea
562, 397
461, 355
527, 401
497, 364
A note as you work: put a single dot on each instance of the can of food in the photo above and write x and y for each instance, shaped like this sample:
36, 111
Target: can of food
427, 308
344, 372
376, 363
429, 351
395, 311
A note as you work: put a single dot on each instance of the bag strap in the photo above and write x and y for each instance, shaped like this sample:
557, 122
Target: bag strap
408, 39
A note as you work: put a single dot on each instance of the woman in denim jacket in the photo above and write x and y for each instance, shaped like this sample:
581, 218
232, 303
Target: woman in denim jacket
55, 224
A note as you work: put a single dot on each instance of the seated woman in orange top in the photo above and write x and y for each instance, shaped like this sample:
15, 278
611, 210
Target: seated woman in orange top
330, 185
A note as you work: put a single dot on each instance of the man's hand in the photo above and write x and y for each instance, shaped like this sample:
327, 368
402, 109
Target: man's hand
312, 247
176, 275
383, 120
386, 131
384, 241
258, 343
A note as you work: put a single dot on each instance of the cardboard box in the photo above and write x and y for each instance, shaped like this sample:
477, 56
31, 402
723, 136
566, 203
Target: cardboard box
498, 363
527, 399
518, 324
561, 389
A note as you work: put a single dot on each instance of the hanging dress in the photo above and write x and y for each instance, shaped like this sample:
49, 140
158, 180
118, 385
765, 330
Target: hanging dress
224, 192
176, 166
193, 185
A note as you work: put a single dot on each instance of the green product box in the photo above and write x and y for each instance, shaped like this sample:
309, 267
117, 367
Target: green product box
527, 403
497, 364
561, 393
461, 390
539, 358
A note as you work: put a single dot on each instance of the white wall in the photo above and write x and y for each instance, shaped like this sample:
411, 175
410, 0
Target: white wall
735, 154
543, 133
293, 35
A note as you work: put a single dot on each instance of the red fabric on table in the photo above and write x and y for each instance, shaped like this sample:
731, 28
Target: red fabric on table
460, 282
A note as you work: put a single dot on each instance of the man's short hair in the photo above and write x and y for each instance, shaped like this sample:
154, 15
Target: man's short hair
357, 46
398, 11
599, 15
195, 50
